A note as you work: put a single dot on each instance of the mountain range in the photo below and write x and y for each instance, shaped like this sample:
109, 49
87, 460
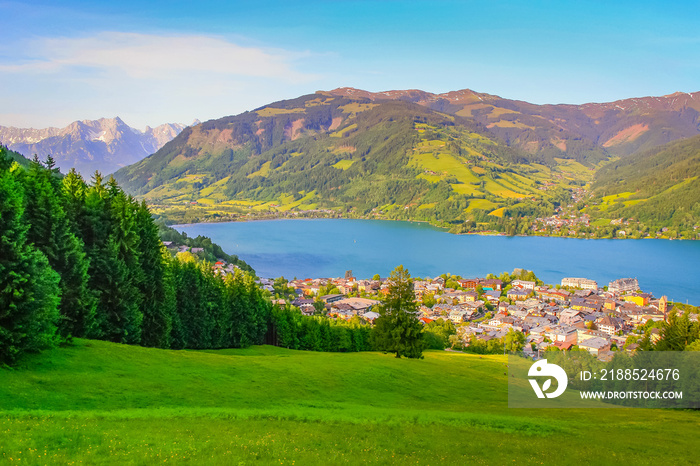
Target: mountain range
105, 145
405, 154
578, 131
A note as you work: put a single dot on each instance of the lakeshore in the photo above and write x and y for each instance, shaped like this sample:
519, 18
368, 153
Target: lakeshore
537, 228
329, 247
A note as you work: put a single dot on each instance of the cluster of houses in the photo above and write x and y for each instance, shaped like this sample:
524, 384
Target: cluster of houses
575, 313
560, 220
338, 305
221, 267
173, 247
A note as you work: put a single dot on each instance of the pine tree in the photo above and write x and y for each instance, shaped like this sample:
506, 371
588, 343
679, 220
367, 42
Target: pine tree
74, 190
341, 338
192, 307
178, 338
232, 333
216, 317
258, 316
87, 208
287, 324
326, 336
29, 293
50, 232
155, 283
108, 230
678, 332
124, 299
397, 329
311, 331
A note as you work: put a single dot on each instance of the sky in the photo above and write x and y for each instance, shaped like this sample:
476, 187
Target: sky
156, 62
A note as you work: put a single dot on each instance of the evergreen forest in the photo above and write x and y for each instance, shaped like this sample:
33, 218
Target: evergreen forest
85, 260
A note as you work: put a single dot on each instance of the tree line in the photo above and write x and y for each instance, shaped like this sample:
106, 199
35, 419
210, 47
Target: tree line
85, 260
397, 330
291, 329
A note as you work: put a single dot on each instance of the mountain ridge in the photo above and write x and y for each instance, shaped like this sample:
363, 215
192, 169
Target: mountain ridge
105, 145
678, 99
586, 131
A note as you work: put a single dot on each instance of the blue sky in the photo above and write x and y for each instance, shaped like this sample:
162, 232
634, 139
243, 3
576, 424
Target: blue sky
156, 62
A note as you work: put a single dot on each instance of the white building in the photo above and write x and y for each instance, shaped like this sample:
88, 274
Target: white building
583, 283
623, 284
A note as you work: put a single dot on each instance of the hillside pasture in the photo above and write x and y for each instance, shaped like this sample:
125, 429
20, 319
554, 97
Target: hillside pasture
98, 402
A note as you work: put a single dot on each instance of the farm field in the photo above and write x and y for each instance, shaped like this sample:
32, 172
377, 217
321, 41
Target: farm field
98, 402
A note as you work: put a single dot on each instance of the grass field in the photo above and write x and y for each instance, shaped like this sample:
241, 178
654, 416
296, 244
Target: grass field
483, 204
356, 107
509, 124
607, 201
97, 402
444, 164
263, 171
343, 164
498, 212
270, 112
344, 132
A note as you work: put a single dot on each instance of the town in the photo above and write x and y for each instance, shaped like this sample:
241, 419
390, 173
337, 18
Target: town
575, 314
515, 310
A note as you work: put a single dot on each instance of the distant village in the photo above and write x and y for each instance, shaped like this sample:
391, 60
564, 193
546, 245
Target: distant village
576, 312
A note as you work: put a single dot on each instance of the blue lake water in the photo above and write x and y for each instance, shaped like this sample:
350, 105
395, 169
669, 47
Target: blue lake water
329, 247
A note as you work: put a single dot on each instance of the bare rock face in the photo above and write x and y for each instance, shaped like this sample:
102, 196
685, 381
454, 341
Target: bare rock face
104, 145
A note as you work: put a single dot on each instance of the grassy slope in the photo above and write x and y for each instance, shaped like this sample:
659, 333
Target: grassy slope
101, 402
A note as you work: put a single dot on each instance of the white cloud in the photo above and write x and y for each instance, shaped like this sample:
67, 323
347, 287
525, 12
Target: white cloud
148, 56
146, 78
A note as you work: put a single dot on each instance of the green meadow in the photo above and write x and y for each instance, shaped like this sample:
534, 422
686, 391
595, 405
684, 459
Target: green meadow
102, 403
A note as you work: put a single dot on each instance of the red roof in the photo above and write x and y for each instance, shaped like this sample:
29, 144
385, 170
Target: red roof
563, 345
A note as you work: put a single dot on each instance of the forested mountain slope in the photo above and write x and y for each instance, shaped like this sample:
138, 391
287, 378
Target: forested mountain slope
392, 158
15, 156
658, 187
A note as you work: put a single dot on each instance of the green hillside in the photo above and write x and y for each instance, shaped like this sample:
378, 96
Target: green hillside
467, 161
658, 187
388, 159
98, 402
17, 157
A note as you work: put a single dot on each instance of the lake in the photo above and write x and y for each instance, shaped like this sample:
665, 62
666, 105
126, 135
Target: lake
329, 247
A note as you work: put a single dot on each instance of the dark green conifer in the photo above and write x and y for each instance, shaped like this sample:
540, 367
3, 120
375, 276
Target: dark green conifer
156, 285
29, 293
50, 232
397, 329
